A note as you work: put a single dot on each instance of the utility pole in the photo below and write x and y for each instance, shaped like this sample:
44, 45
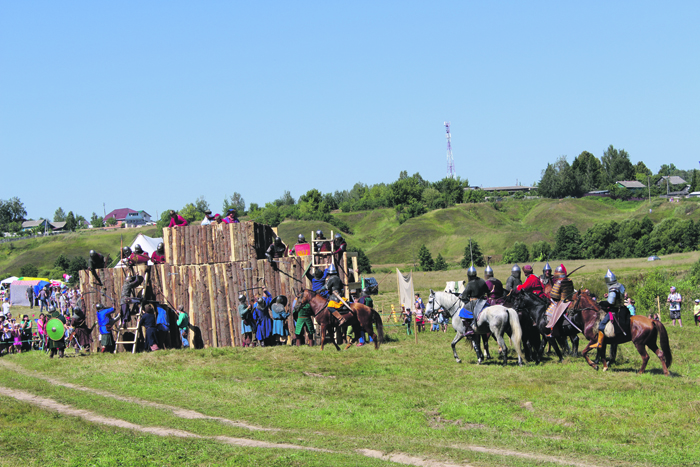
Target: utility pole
450, 159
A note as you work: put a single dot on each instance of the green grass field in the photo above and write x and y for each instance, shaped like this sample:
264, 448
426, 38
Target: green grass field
407, 398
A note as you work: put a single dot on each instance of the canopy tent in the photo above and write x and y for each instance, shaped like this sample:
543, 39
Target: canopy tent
406, 292
9, 280
148, 244
18, 290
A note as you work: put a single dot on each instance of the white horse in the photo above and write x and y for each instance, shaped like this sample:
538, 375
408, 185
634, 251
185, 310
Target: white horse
495, 319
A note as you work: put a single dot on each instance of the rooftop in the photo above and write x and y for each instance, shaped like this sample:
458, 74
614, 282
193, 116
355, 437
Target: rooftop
631, 184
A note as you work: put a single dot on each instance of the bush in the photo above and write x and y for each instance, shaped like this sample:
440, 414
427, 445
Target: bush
425, 259
518, 253
29, 270
440, 263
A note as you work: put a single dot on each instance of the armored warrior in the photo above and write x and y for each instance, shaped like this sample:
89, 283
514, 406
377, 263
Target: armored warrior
474, 296
616, 297
495, 286
276, 250
158, 256
323, 245
334, 286
532, 283
318, 280
96, 261
139, 256
514, 279
546, 276
562, 291
56, 345
339, 247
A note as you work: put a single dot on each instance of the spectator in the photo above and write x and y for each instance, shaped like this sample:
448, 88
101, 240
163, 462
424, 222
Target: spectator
41, 329
183, 324
148, 321
696, 311
26, 329
629, 303
231, 217
407, 318
176, 220
442, 319
30, 296
420, 323
6, 307
674, 299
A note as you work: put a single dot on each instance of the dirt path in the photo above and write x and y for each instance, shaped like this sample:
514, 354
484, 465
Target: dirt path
399, 458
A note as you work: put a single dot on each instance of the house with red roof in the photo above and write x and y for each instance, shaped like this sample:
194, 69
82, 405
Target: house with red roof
130, 216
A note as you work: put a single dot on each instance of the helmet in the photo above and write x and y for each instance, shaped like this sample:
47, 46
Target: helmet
161, 247
488, 272
471, 272
366, 291
301, 238
547, 267
241, 298
527, 268
93, 254
137, 249
560, 271
126, 251
278, 241
338, 237
261, 302
610, 277
332, 269
319, 234
318, 273
281, 299
515, 271
51, 309
99, 306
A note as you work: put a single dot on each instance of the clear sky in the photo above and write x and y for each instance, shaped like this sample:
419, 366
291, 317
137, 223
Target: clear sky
150, 105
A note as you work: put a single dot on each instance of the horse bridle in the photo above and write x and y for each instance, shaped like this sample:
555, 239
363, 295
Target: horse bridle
431, 300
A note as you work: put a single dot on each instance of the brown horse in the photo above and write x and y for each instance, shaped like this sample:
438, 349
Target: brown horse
643, 333
360, 318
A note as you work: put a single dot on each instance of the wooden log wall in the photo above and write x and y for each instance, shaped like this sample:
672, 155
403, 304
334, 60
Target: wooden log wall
209, 292
218, 243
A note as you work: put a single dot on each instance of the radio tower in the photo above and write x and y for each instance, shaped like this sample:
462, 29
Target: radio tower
450, 159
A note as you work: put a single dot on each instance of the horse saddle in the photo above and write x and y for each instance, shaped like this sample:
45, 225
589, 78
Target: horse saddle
473, 308
620, 324
555, 312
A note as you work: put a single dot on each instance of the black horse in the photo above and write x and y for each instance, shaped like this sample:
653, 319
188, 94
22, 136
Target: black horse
534, 307
531, 334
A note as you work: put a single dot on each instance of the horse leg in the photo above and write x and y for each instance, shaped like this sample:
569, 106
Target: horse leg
476, 343
356, 330
587, 349
574, 345
659, 353
641, 348
485, 339
613, 354
457, 338
543, 345
564, 343
323, 335
554, 344
603, 349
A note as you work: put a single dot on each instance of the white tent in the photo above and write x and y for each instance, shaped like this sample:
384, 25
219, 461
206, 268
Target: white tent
148, 244
9, 280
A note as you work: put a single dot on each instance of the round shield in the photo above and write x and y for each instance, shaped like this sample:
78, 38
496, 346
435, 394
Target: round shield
55, 329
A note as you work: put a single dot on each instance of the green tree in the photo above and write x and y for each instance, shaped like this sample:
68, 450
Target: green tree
70, 221
11, 212
59, 215
286, 199
236, 201
61, 262
77, 264
440, 263
596, 241
112, 221
190, 212
96, 221
567, 243
201, 205
617, 166
518, 253
476, 253
558, 180
425, 259
588, 172
363, 263
29, 270
540, 251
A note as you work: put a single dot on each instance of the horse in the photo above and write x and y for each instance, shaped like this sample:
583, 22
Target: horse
643, 333
536, 307
360, 318
493, 319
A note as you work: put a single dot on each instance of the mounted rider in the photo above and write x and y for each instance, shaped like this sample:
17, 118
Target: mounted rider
532, 283
616, 302
546, 276
561, 294
474, 298
497, 296
276, 250
334, 287
514, 279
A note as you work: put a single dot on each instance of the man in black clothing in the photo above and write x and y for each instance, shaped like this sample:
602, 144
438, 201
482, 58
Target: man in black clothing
474, 296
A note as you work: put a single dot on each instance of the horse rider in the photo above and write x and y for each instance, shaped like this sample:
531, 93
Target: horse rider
546, 276
616, 297
497, 296
334, 286
532, 283
474, 298
561, 294
514, 279
276, 250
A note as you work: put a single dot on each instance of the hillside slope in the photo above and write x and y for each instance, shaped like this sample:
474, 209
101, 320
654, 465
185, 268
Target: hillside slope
496, 226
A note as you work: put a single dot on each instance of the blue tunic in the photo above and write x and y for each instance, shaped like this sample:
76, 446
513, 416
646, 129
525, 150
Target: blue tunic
262, 319
279, 319
317, 284
244, 327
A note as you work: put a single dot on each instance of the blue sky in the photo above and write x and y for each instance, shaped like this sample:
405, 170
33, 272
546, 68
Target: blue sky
150, 105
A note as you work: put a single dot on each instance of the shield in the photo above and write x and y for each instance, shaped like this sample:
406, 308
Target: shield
55, 329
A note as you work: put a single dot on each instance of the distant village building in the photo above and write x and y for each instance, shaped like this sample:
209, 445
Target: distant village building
672, 180
504, 189
130, 217
632, 185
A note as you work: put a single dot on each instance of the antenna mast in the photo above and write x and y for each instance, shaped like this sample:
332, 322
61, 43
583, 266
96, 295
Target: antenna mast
450, 159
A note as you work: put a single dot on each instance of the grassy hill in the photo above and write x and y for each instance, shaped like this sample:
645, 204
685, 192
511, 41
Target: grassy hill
496, 226
42, 252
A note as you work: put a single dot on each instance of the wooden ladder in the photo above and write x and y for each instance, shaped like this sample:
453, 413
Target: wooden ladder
135, 330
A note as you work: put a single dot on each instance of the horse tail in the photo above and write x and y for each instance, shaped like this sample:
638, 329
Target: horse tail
380, 326
663, 340
517, 331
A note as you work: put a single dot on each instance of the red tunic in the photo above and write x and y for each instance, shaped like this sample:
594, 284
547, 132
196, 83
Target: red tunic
534, 285
157, 259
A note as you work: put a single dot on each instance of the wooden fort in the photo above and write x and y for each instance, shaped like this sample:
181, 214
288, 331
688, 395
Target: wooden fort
207, 268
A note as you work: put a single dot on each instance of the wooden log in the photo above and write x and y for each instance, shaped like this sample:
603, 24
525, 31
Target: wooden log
221, 310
